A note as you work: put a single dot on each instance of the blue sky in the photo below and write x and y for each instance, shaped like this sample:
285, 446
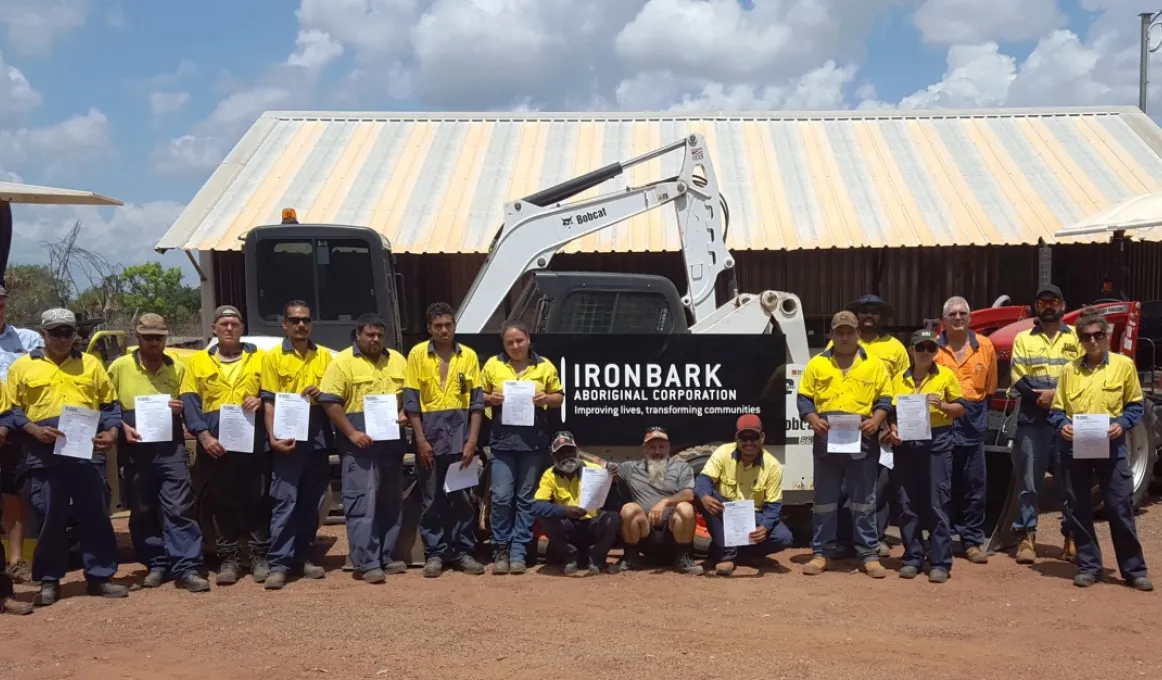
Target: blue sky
110, 56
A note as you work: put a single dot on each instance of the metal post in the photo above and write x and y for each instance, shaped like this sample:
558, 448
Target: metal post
1149, 21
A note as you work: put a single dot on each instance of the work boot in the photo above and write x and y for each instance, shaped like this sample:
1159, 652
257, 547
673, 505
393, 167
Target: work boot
1027, 550
874, 569
500, 563
571, 569
19, 572
374, 576
193, 583
816, 566
938, 575
976, 555
227, 573
11, 606
313, 571
49, 592
1084, 580
433, 567
724, 569
1141, 583
1069, 550
631, 558
105, 588
884, 550
154, 578
469, 565
517, 567
909, 572
395, 567
259, 569
685, 564
275, 581
593, 570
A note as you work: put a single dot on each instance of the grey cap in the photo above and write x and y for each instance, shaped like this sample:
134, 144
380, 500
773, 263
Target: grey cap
55, 318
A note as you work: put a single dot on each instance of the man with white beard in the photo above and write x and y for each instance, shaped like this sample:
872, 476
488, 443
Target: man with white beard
659, 518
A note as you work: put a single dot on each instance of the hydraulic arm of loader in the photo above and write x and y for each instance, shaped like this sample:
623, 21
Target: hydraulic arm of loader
536, 227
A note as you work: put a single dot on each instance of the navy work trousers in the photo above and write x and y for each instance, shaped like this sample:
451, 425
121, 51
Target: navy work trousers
373, 499
446, 518
84, 485
1035, 452
777, 540
1116, 482
239, 494
162, 517
579, 540
926, 499
969, 487
836, 473
298, 483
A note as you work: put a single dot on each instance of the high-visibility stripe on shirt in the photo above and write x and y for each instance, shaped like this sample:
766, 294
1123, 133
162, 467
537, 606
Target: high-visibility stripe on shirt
1036, 363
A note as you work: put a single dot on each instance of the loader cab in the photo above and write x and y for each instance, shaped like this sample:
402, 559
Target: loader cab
340, 271
598, 302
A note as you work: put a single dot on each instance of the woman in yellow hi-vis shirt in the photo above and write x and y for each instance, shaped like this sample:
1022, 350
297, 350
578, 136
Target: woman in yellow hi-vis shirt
924, 466
519, 452
1100, 383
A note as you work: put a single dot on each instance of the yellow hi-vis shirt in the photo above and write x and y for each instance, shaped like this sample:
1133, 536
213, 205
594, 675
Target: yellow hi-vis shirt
761, 482
543, 374
1110, 388
38, 389
887, 349
285, 370
940, 380
563, 491
1036, 364
209, 384
352, 376
131, 379
444, 406
825, 389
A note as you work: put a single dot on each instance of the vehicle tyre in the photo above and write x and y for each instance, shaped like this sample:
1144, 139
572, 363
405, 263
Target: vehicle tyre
1142, 456
696, 457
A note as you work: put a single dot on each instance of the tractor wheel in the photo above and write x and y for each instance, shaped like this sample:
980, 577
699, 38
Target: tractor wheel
1142, 442
696, 457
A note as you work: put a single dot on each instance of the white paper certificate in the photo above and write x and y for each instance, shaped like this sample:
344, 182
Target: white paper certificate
843, 435
595, 484
913, 417
518, 406
80, 426
153, 418
236, 429
292, 417
1091, 435
381, 417
887, 456
737, 522
458, 479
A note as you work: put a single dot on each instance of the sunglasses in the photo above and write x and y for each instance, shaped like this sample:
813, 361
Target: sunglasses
748, 437
1090, 337
1046, 303
62, 333
956, 315
926, 347
298, 320
153, 338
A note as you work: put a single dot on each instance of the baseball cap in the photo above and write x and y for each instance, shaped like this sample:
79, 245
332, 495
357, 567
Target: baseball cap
227, 310
56, 318
923, 335
561, 440
152, 324
1049, 289
655, 432
844, 319
748, 422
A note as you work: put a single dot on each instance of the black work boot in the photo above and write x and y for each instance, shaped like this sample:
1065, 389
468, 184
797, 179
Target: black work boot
154, 578
228, 572
500, 561
433, 567
684, 564
259, 568
469, 565
103, 587
49, 592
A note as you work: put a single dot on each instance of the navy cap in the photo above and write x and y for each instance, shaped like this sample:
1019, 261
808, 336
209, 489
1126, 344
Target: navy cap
872, 300
1050, 289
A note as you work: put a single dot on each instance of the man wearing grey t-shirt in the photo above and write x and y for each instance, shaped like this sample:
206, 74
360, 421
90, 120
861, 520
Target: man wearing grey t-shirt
659, 518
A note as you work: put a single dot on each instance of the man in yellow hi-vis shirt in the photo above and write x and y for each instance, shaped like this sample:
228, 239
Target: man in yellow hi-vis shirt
443, 399
300, 470
40, 385
845, 380
229, 374
1039, 356
372, 494
1100, 383
163, 522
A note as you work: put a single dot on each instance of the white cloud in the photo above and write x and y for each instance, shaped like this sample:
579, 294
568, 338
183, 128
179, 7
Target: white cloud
959, 22
314, 50
34, 25
16, 94
161, 103
57, 148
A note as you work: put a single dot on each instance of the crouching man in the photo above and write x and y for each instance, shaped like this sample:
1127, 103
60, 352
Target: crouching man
659, 517
743, 471
581, 538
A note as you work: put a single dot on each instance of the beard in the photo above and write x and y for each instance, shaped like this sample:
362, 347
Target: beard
1049, 315
657, 471
567, 466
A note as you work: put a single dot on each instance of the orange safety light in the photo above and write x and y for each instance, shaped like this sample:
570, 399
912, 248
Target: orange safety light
289, 214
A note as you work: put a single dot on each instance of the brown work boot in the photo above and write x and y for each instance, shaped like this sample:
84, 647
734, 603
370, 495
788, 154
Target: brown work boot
19, 572
1069, 550
874, 569
816, 566
724, 569
1027, 550
976, 555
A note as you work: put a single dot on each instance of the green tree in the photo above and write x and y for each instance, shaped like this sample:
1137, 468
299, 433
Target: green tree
32, 288
149, 287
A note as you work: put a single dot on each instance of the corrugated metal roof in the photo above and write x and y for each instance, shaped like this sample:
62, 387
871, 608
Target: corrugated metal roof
15, 192
438, 182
